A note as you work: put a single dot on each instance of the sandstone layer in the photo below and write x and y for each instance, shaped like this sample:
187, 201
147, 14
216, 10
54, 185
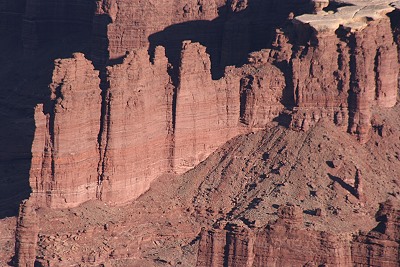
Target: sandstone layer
284, 243
237, 199
152, 126
348, 66
26, 235
162, 128
137, 128
310, 117
63, 171
121, 26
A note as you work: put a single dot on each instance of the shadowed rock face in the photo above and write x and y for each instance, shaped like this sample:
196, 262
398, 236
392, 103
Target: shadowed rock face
146, 126
47, 21
107, 134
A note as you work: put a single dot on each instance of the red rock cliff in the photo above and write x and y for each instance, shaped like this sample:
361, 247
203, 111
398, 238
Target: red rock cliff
137, 131
340, 70
282, 243
147, 127
152, 126
286, 243
65, 153
26, 236
123, 25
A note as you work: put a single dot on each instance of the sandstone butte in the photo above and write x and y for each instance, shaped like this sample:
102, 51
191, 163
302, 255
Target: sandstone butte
157, 146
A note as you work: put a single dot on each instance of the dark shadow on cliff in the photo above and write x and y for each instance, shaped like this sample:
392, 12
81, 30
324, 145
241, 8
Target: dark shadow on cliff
207, 33
232, 35
24, 78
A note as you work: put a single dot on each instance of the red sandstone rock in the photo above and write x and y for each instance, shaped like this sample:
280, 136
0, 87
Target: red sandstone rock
131, 23
381, 245
137, 131
274, 245
342, 75
65, 153
284, 244
26, 236
148, 127
207, 111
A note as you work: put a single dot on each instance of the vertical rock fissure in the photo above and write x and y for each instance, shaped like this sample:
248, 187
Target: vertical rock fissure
376, 72
102, 137
52, 134
354, 86
226, 249
175, 81
172, 126
340, 61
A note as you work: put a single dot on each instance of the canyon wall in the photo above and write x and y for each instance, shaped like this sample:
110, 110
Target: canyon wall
121, 26
285, 242
26, 235
207, 111
48, 21
108, 134
210, 112
381, 246
65, 153
147, 126
137, 129
339, 71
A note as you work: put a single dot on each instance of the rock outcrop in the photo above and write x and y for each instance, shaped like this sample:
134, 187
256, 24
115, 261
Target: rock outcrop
111, 127
286, 243
147, 126
341, 66
26, 236
380, 247
64, 170
210, 112
121, 26
152, 126
137, 129
207, 111
281, 243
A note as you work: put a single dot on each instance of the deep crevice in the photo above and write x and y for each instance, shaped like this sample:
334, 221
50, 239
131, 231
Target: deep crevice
376, 72
350, 39
102, 138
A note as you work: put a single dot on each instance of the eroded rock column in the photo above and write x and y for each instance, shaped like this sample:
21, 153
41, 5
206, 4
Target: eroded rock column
65, 152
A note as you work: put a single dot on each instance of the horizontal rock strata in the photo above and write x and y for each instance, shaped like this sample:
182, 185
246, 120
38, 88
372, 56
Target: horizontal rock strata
65, 152
343, 71
147, 126
26, 236
286, 243
137, 131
